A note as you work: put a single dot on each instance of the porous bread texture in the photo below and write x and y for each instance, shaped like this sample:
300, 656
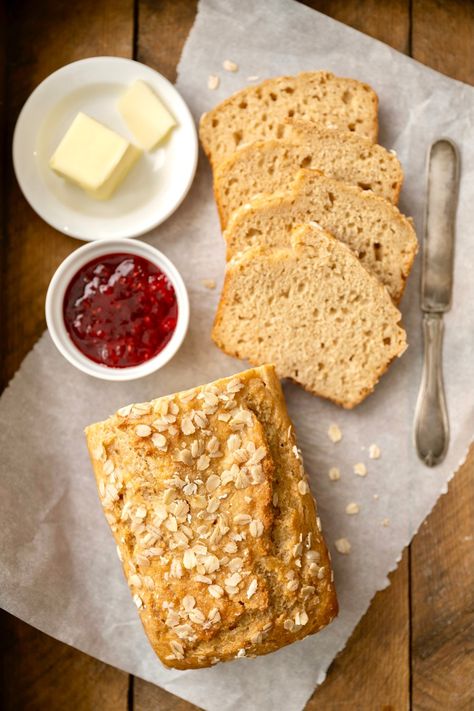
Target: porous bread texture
209, 504
314, 311
268, 166
375, 230
258, 112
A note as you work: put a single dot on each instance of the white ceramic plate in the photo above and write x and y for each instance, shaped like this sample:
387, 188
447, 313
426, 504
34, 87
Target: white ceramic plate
155, 186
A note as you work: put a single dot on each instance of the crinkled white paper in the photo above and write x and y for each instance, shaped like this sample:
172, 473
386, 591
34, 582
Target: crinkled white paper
58, 566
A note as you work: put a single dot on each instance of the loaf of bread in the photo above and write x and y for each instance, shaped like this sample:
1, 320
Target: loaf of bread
313, 310
269, 166
215, 525
373, 228
258, 112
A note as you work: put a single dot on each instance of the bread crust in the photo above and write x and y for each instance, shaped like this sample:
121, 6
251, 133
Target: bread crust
287, 197
305, 139
299, 239
206, 123
257, 586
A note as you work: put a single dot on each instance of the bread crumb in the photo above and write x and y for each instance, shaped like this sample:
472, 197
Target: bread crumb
393, 151
254, 77
230, 66
343, 546
334, 474
209, 283
386, 522
374, 451
352, 508
213, 82
375, 497
334, 433
360, 469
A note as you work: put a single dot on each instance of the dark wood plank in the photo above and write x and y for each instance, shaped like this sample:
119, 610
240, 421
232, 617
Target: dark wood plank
42, 674
372, 672
443, 36
385, 20
442, 554
148, 697
162, 31
442, 601
37, 671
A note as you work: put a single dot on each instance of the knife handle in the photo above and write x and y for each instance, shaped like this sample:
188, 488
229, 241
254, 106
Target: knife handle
431, 416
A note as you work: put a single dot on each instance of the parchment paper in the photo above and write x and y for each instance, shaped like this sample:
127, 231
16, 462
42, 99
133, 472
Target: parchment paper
58, 567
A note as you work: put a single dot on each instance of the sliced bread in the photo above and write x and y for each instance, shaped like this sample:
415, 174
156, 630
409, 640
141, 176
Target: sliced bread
258, 112
314, 311
267, 166
372, 227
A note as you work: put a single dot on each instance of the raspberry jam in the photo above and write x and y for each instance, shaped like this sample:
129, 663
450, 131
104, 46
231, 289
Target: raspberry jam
120, 310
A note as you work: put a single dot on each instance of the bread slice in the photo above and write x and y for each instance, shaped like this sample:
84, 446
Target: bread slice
373, 228
209, 504
267, 166
313, 310
258, 112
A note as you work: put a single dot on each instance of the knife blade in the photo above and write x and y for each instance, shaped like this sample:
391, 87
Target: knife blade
431, 414
438, 245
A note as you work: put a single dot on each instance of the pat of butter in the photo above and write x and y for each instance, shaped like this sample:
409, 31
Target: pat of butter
145, 115
93, 157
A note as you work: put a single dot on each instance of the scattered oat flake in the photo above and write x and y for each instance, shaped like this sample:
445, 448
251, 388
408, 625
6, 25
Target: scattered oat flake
375, 497
230, 66
334, 474
374, 451
352, 508
343, 546
209, 283
360, 469
254, 77
334, 433
213, 82
386, 522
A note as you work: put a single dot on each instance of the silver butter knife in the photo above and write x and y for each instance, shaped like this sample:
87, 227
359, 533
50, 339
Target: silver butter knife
431, 415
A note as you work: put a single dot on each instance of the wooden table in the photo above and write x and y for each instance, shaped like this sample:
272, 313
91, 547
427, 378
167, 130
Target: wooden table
414, 647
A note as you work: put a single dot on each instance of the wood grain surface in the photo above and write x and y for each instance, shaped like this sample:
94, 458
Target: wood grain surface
414, 649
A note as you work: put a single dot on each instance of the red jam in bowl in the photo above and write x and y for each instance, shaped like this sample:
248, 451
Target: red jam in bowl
120, 310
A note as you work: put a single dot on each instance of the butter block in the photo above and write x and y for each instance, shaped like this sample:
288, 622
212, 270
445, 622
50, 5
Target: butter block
94, 157
145, 115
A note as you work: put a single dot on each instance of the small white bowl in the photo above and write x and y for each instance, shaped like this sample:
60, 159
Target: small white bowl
55, 300
157, 184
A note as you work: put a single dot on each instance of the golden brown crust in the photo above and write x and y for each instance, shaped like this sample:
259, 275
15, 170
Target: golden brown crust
264, 166
287, 198
216, 528
207, 124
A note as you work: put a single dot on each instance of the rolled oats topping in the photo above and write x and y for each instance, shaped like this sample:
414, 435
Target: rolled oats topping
143, 431
195, 508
